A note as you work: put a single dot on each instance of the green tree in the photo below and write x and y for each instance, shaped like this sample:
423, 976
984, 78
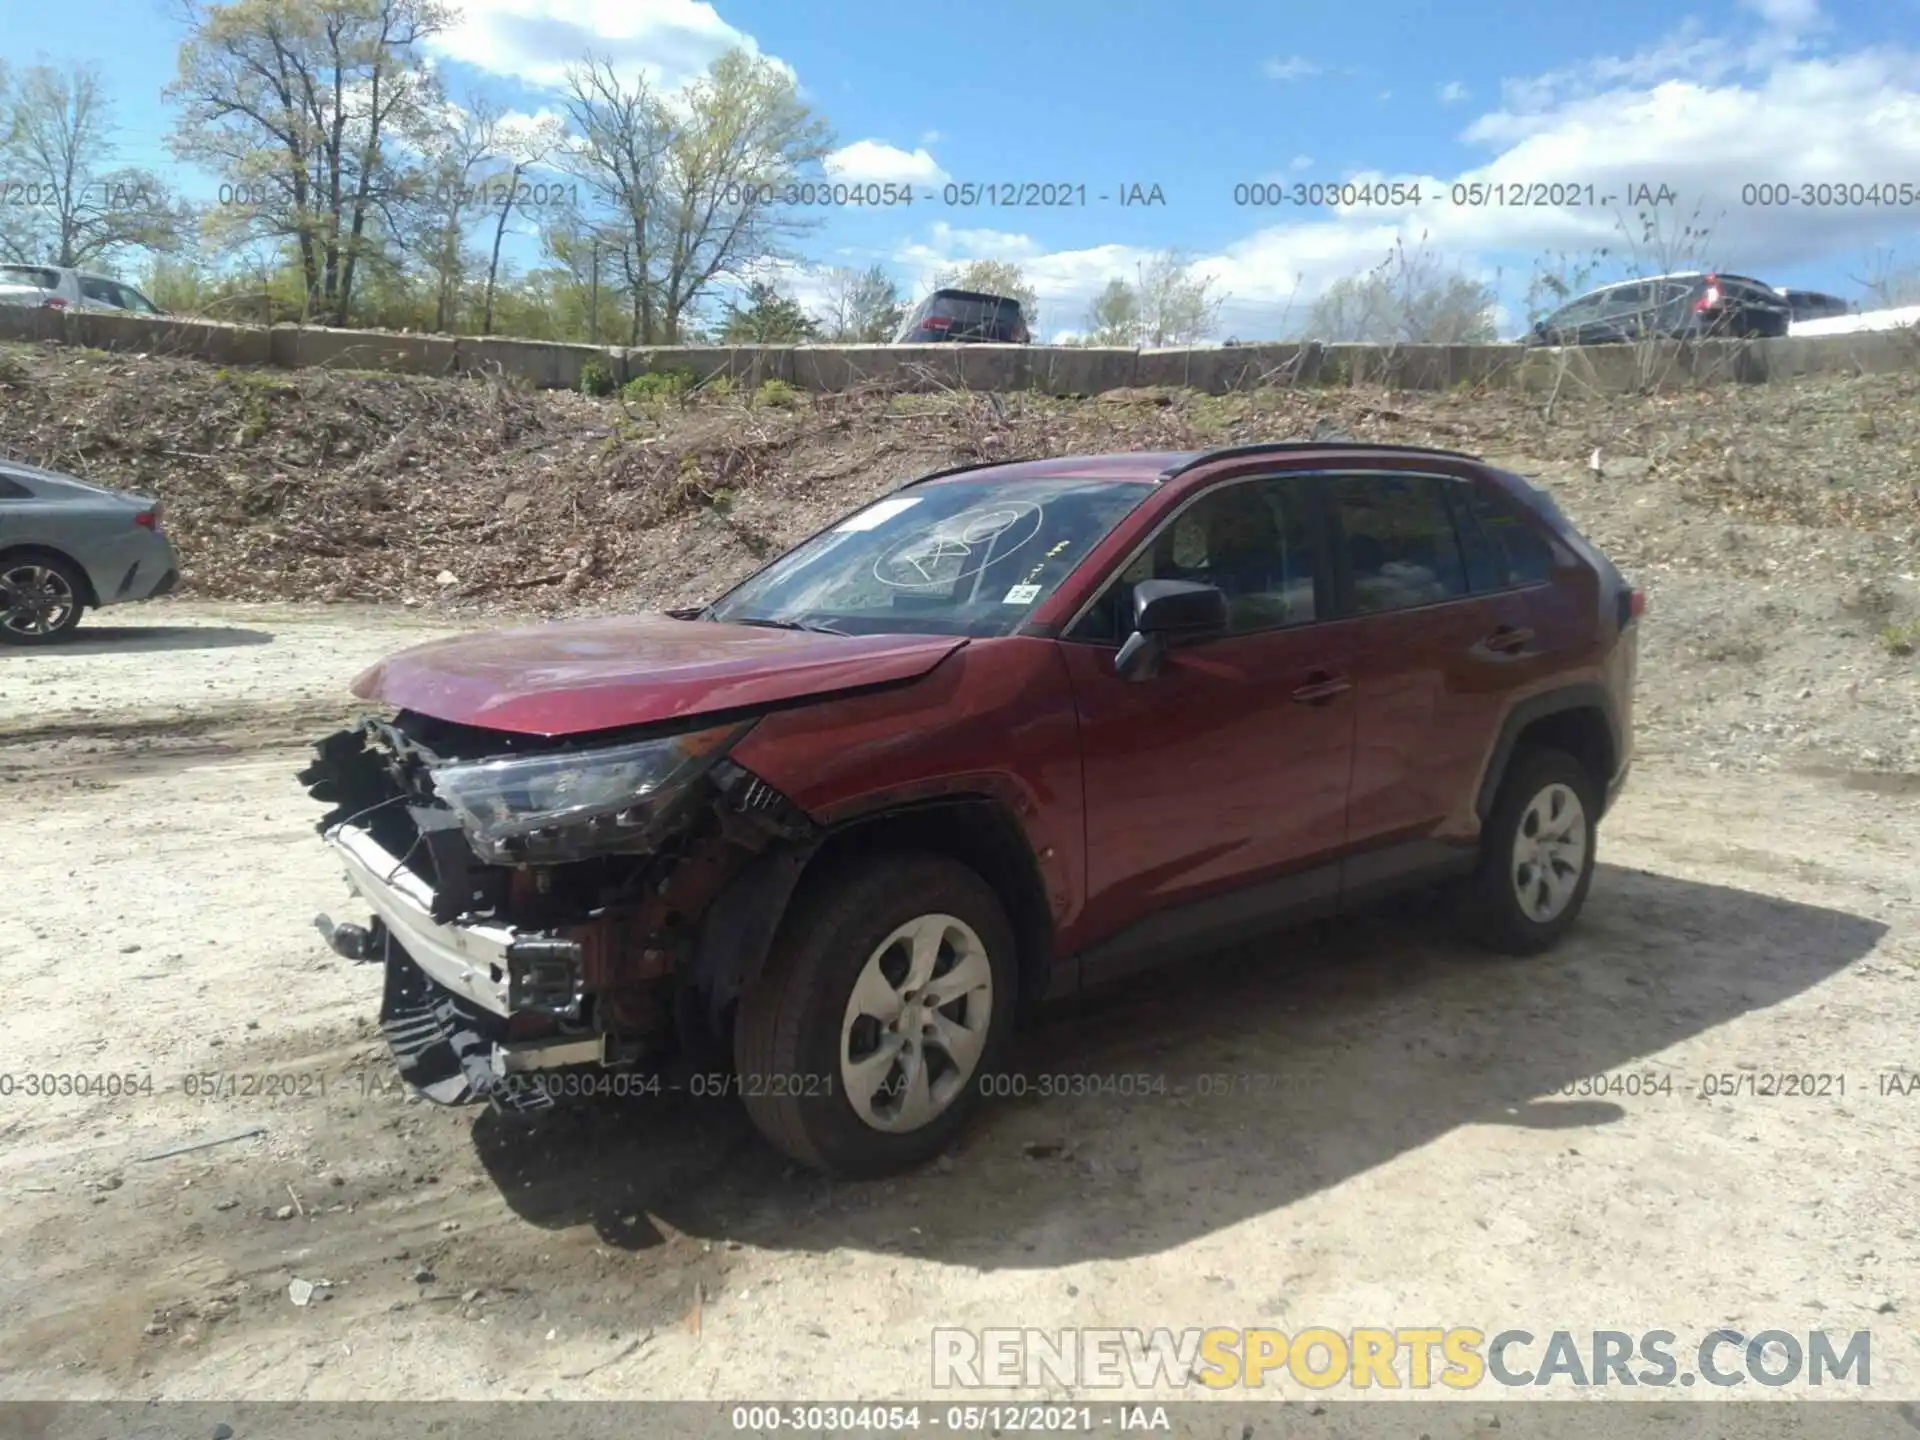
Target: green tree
1114, 316
306, 111
768, 318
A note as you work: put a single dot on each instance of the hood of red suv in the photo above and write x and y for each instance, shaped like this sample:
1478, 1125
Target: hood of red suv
571, 677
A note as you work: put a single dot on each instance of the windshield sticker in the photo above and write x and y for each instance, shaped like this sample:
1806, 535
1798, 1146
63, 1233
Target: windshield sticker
1021, 595
875, 516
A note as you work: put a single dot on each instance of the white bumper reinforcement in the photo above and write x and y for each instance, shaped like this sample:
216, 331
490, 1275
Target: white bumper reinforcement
470, 960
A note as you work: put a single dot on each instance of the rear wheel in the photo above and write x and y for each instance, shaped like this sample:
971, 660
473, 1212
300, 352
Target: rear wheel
862, 1046
1536, 855
39, 599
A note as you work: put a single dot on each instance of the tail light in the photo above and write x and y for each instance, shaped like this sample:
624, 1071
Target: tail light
149, 520
1711, 297
1633, 604
53, 302
936, 322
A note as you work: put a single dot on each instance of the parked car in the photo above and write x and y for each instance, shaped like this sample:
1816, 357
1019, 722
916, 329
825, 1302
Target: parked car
1691, 306
1004, 735
61, 287
68, 547
964, 315
1812, 305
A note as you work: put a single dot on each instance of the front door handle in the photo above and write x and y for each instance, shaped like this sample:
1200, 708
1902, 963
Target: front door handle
1508, 640
1320, 688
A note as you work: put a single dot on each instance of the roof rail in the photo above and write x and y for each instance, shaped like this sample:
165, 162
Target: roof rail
963, 469
1286, 447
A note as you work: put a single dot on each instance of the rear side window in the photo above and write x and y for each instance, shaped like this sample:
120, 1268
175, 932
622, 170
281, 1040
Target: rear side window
1507, 550
1402, 550
101, 292
34, 275
11, 489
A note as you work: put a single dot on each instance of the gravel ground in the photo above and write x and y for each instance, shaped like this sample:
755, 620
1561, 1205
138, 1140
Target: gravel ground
1419, 1140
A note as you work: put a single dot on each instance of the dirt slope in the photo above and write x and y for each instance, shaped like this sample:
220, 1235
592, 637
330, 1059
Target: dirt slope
1776, 527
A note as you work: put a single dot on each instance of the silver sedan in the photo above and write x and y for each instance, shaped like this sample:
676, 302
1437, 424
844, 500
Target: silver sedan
67, 547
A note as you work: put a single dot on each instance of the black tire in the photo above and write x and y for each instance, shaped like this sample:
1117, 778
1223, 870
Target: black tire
1490, 909
788, 1036
65, 574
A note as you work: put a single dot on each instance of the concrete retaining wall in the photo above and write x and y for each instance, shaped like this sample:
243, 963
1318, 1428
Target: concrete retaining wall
1052, 370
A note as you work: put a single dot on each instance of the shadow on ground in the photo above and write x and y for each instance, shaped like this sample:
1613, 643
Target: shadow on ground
1298, 1062
132, 639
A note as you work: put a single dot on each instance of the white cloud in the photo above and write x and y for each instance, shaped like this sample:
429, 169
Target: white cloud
1294, 67
876, 162
1302, 162
1453, 92
668, 41
1791, 15
930, 137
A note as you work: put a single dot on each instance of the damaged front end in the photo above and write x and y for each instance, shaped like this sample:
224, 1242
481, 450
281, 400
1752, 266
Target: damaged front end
543, 905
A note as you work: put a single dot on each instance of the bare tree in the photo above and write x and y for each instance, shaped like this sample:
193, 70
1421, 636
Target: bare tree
1889, 285
304, 109
56, 139
1410, 298
863, 306
695, 182
525, 142
1176, 306
436, 201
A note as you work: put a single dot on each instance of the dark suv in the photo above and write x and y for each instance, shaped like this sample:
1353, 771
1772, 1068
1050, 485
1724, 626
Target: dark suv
1670, 307
967, 316
1005, 734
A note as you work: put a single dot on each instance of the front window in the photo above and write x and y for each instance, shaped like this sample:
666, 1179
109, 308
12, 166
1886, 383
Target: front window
952, 557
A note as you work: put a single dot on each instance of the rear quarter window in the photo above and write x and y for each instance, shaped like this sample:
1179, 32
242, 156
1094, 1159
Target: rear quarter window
1515, 552
34, 275
11, 489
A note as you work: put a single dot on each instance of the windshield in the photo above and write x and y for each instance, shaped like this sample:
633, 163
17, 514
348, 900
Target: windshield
955, 557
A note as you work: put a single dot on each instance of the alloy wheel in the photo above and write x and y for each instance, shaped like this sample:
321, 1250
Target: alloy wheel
916, 1023
35, 599
1549, 853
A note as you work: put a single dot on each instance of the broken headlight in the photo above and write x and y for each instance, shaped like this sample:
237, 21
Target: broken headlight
576, 802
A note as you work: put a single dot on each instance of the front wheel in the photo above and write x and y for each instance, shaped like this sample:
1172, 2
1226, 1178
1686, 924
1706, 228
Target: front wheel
1536, 855
39, 599
861, 1048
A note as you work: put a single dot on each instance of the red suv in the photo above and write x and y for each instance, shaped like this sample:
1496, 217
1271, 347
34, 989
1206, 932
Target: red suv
1007, 733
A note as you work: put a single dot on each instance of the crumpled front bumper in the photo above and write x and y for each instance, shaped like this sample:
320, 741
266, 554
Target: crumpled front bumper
450, 989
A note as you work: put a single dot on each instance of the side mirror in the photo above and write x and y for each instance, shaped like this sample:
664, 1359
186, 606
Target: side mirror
1165, 612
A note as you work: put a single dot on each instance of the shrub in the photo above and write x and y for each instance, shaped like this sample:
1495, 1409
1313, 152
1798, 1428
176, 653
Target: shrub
595, 379
777, 393
659, 385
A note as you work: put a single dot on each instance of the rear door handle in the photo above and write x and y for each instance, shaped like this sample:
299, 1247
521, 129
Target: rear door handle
1320, 688
1508, 641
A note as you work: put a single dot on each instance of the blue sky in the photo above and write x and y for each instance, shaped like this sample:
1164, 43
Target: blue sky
1198, 97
